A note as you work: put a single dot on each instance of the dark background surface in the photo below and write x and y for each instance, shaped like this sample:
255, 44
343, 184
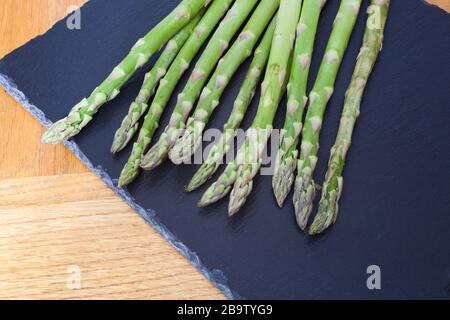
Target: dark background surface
395, 210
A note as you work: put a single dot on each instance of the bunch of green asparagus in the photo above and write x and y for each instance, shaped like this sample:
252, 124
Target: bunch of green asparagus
279, 36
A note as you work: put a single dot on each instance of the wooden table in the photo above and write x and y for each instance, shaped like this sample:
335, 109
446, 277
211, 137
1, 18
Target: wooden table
63, 233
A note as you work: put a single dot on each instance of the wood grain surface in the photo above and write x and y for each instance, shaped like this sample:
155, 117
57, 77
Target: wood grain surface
63, 232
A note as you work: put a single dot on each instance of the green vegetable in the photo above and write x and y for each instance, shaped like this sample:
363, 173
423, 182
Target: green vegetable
287, 156
214, 51
130, 123
242, 48
140, 54
240, 106
372, 44
167, 85
305, 187
248, 161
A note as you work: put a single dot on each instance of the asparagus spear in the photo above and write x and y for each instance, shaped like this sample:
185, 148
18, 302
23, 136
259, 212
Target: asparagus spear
130, 123
167, 85
297, 99
214, 51
140, 54
245, 96
248, 160
332, 188
274, 89
305, 188
242, 48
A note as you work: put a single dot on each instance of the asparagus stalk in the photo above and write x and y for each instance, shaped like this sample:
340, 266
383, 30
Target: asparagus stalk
167, 85
214, 51
140, 54
248, 160
130, 123
240, 106
332, 188
297, 99
242, 48
305, 187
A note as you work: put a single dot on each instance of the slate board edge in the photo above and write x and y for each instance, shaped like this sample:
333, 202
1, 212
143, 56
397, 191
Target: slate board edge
147, 214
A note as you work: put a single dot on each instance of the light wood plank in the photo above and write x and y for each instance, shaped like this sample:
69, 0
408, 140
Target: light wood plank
81, 222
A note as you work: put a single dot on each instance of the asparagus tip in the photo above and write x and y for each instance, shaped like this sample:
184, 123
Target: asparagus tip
190, 187
201, 204
319, 226
237, 200
280, 201
284, 177
302, 216
185, 147
304, 195
150, 161
232, 211
277, 190
126, 178
195, 183
57, 133
47, 139
116, 148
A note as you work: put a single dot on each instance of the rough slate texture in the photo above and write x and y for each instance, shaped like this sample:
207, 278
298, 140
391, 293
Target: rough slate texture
395, 210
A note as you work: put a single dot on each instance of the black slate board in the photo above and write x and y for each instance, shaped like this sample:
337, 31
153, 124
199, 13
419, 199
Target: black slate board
395, 211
